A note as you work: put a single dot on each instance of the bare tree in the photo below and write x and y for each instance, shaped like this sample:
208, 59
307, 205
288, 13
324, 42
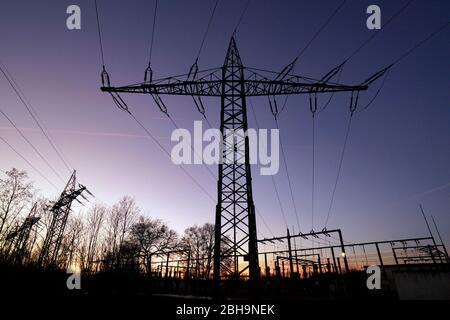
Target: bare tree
121, 218
151, 237
93, 226
200, 243
73, 240
15, 195
112, 233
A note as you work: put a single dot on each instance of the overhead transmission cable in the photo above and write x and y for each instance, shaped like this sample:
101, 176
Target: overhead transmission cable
358, 49
149, 72
148, 77
168, 154
34, 115
288, 178
319, 31
420, 43
273, 179
192, 148
341, 160
153, 33
288, 69
29, 163
102, 55
314, 37
377, 32
369, 39
31, 145
401, 57
193, 71
207, 30
241, 17
141, 125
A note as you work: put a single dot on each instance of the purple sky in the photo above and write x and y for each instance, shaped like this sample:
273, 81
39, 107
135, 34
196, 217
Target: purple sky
398, 154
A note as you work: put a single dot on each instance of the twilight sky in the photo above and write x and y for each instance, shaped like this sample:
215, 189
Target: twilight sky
398, 154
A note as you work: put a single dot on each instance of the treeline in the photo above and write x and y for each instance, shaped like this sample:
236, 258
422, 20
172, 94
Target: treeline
100, 238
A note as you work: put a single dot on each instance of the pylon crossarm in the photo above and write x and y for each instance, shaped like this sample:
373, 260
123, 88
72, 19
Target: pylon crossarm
188, 88
274, 87
252, 88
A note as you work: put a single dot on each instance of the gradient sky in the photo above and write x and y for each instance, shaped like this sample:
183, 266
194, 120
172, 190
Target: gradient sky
398, 154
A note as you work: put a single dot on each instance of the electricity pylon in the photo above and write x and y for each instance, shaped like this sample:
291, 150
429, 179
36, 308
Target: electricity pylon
17, 239
235, 235
60, 212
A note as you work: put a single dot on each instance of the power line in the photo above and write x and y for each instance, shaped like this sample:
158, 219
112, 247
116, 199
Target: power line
375, 95
34, 115
403, 56
273, 179
288, 178
28, 162
264, 221
400, 58
279, 200
153, 32
168, 154
359, 48
302, 51
392, 18
31, 145
241, 17
142, 126
207, 29
99, 35
407, 53
192, 148
319, 31
341, 160
332, 94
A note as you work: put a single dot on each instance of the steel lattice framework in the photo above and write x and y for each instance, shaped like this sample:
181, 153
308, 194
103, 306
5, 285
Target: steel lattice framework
18, 237
60, 211
236, 250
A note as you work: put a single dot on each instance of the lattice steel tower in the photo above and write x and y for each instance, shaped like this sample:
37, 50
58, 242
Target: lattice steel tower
235, 252
60, 211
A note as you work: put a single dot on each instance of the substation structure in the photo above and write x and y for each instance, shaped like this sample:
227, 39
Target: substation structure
290, 259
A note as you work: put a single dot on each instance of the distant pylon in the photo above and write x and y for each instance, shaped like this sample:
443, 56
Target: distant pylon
17, 239
60, 210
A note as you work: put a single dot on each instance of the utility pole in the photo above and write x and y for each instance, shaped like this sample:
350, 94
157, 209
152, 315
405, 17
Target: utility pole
235, 222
